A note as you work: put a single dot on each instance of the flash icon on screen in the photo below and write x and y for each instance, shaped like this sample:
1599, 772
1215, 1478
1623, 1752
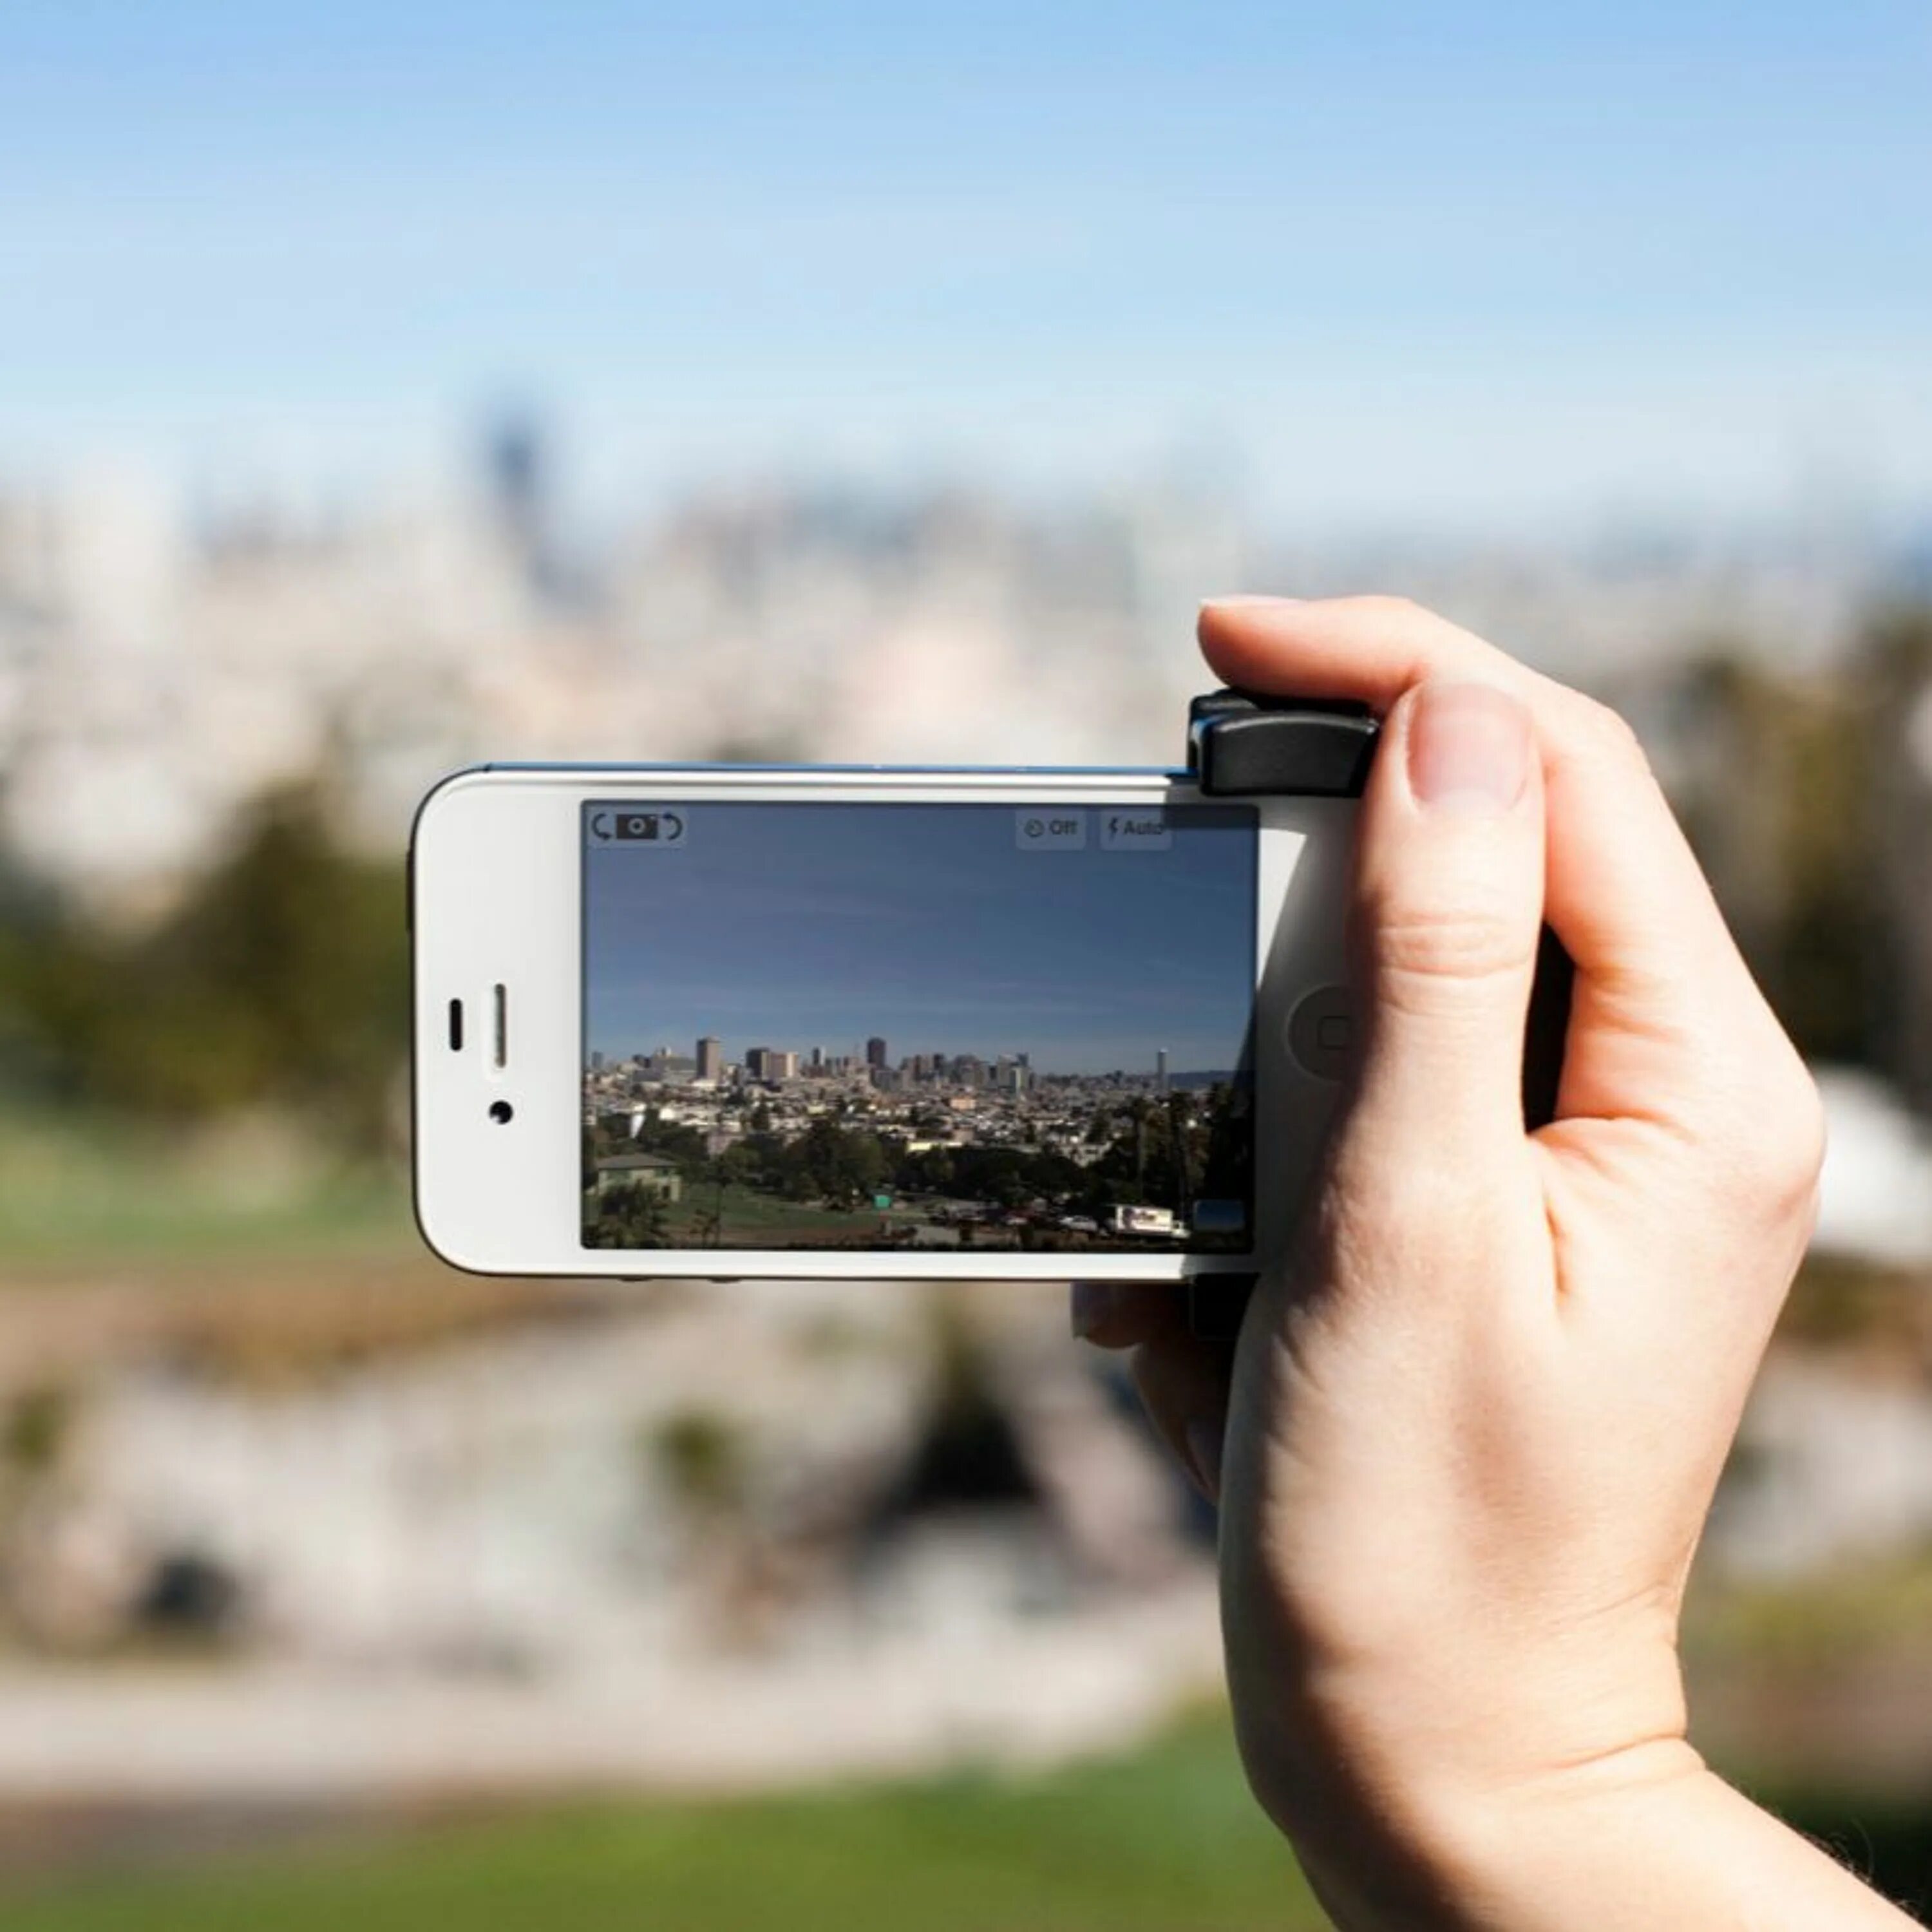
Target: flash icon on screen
1125, 829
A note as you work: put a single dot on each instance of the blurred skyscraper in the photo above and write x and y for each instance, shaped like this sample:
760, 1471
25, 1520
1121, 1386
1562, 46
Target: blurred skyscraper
518, 465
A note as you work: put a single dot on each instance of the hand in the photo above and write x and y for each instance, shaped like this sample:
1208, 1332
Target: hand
1466, 1444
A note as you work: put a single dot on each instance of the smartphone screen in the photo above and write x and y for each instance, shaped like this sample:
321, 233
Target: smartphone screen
889, 1026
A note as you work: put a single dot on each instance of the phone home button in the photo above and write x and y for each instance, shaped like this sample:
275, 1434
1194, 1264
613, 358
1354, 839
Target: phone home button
1321, 1032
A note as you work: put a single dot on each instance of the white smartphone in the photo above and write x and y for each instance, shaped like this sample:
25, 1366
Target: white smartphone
729, 1021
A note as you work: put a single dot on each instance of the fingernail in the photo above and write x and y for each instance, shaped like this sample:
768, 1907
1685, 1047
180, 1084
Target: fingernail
1248, 600
1204, 1437
1092, 1303
1469, 748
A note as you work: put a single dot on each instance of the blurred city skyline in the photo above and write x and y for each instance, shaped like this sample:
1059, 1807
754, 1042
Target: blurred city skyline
1377, 273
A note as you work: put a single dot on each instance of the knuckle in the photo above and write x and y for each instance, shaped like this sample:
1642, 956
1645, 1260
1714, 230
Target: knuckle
1606, 733
1390, 604
1472, 941
1771, 1135
1399, 613
1794, 1153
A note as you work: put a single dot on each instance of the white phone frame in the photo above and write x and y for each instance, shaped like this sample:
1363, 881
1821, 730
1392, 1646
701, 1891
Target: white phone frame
495, 891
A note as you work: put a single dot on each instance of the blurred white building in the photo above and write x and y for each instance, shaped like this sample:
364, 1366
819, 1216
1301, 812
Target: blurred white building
155, 671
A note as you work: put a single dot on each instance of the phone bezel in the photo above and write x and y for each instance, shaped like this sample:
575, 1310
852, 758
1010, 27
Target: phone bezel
496, 876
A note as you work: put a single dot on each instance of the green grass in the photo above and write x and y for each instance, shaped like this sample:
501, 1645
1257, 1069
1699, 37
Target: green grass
747, 1210
1168, 1841
74, 1188
754, 1219
1848, 1612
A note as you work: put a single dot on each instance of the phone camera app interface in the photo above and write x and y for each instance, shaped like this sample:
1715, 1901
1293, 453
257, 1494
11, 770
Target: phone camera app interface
939, 1027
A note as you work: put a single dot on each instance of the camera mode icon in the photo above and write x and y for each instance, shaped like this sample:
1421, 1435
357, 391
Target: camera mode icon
611, 825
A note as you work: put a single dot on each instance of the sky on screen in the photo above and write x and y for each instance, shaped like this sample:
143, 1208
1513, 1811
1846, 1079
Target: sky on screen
794, 927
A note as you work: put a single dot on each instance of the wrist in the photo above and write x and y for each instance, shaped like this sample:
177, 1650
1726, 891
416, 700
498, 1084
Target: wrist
1445, 1854
1651, 1839
1408, 1782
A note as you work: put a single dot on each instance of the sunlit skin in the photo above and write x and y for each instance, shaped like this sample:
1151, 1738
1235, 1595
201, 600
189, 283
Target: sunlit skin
1465, 1447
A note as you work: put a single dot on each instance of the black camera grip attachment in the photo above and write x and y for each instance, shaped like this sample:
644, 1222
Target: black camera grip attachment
1243, 744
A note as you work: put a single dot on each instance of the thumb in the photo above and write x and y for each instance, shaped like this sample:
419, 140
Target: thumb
1448, 909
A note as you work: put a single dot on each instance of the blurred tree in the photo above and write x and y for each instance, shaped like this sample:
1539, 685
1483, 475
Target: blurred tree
30, 927
1895, 667
1773, 791
281, 980
1809, 800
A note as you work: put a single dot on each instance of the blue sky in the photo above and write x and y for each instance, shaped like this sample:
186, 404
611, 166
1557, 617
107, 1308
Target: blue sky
1381, 264
799, 926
